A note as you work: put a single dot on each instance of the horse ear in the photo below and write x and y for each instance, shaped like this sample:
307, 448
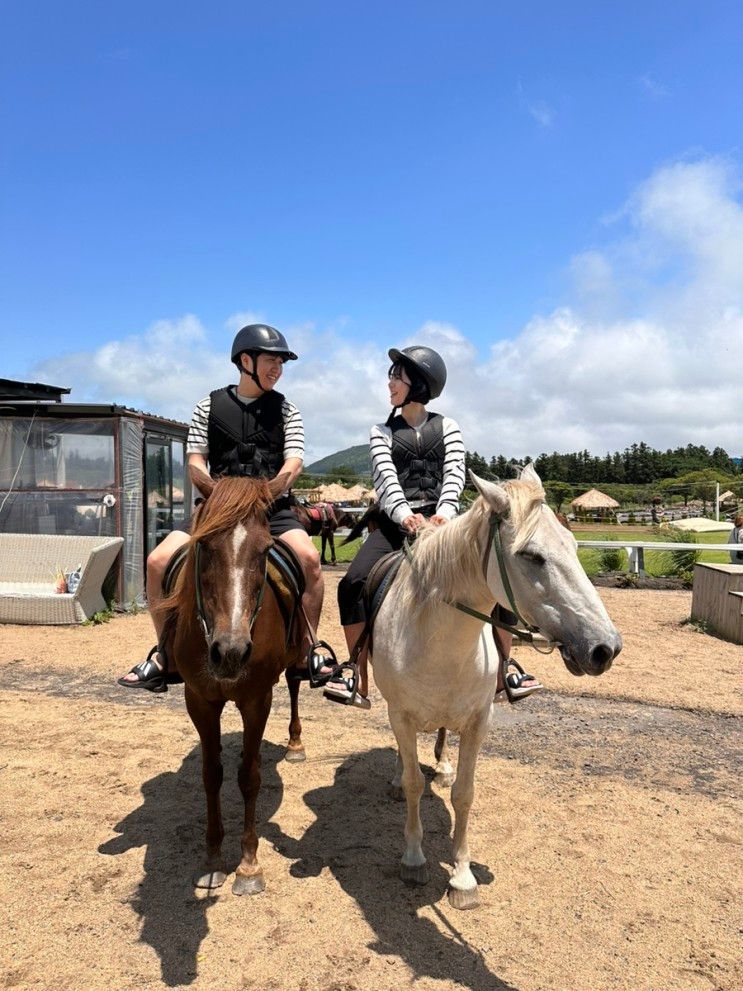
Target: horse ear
203, 482
529, 474
494, 495
278, 486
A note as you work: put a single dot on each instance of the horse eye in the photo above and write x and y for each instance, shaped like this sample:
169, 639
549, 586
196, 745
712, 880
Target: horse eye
534, 557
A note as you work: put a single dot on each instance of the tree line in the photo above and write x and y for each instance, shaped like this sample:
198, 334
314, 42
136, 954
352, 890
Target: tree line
638, 464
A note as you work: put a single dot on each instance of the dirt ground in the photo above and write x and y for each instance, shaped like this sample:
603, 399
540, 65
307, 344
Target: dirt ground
606, 829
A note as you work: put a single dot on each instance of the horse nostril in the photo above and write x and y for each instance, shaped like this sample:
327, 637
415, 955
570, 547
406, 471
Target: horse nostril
601, 655
215, 653
248, 652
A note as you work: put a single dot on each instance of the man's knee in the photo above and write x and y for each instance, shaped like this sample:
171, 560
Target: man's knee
157, 560
308, 554
311, 562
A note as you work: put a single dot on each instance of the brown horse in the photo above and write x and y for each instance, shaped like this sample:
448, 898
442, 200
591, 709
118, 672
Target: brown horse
321, 520
225, 635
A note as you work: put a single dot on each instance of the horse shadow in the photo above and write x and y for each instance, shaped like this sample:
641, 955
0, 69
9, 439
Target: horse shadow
358, 834
170, 825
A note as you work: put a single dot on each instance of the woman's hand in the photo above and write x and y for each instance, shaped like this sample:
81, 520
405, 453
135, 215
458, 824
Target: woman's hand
438, 520
413, 523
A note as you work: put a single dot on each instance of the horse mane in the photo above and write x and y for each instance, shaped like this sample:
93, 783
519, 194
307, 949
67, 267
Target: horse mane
232, 501
448, 560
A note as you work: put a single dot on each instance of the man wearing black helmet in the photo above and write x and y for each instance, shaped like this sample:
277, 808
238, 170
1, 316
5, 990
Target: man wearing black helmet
245, 430
418, 472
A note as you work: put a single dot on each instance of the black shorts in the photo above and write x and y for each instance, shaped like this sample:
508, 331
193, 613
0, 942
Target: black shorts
389, 537
280, 520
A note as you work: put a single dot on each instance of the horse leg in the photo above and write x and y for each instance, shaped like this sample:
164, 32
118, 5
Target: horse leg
206, 718
323, 540
462, 884
413, 868
331, 540
249, 878
444, 771
295, 748
396, 788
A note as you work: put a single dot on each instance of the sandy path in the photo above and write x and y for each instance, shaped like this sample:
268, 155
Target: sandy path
606, 828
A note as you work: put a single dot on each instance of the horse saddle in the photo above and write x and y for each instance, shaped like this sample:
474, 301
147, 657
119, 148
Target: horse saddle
322, 513
378, 583
283, 573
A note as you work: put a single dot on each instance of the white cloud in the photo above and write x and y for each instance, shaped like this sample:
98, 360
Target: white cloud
597, 375
542, 113
539, 110
648, 348
654, 89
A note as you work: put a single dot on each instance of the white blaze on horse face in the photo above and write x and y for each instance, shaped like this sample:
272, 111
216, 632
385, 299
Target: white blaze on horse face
239, 541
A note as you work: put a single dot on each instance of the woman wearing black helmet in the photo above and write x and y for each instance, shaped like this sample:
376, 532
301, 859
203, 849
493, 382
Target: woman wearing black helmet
418, 471
245, 430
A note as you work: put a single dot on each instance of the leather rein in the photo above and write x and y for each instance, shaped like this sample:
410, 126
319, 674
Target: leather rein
521, 629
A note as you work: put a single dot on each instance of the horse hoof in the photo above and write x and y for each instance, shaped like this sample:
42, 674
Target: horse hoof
248, 885
295, 756
444, 779
463, 899
396, 793
415, 874
213, 878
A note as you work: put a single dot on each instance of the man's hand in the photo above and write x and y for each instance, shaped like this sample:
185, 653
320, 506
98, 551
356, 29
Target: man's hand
438, 520
413, 523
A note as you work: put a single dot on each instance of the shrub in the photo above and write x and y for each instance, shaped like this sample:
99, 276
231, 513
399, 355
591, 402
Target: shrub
612, 559
630, 580
679, 563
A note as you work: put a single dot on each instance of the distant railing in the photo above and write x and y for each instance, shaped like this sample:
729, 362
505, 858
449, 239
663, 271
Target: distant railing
636, 549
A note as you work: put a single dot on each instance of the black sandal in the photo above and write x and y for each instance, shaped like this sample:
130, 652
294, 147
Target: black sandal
317, 661
344, 689
514, 686
149, 675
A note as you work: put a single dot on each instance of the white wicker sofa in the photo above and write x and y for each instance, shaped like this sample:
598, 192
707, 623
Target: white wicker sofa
27, 565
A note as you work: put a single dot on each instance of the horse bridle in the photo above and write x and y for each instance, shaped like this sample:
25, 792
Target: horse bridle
200, 611
521, 629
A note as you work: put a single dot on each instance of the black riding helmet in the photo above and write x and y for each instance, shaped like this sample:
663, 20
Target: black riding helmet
426, 370
259, 338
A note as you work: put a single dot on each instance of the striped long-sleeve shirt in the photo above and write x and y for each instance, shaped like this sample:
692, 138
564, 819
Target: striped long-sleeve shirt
387, 485
198, 436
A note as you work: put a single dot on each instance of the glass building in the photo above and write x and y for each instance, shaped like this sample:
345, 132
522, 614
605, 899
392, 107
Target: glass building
69, 468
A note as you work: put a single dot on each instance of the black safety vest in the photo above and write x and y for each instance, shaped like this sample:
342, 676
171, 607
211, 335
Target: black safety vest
418, 456
245, 439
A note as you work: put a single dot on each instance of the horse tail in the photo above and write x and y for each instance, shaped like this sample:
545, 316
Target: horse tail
371, 516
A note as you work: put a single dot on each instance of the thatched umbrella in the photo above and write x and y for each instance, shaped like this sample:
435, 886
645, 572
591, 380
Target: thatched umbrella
594, 501
333, 493
356, 493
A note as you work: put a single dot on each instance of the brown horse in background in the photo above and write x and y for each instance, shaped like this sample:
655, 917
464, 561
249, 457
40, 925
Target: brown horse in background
225, 635
321, 519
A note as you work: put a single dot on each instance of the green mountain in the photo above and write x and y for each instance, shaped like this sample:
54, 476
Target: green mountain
356, 458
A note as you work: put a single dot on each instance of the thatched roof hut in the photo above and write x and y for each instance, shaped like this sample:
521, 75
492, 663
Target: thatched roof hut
333, 493
593, 500
356, 493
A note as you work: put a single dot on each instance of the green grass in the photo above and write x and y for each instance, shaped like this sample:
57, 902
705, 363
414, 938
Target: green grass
342, 554
588, 558
653, 562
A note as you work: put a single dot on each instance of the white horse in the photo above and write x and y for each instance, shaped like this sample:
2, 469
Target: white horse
438, 667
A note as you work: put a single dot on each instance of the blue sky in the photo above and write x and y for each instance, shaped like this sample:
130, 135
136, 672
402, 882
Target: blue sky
365, 175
